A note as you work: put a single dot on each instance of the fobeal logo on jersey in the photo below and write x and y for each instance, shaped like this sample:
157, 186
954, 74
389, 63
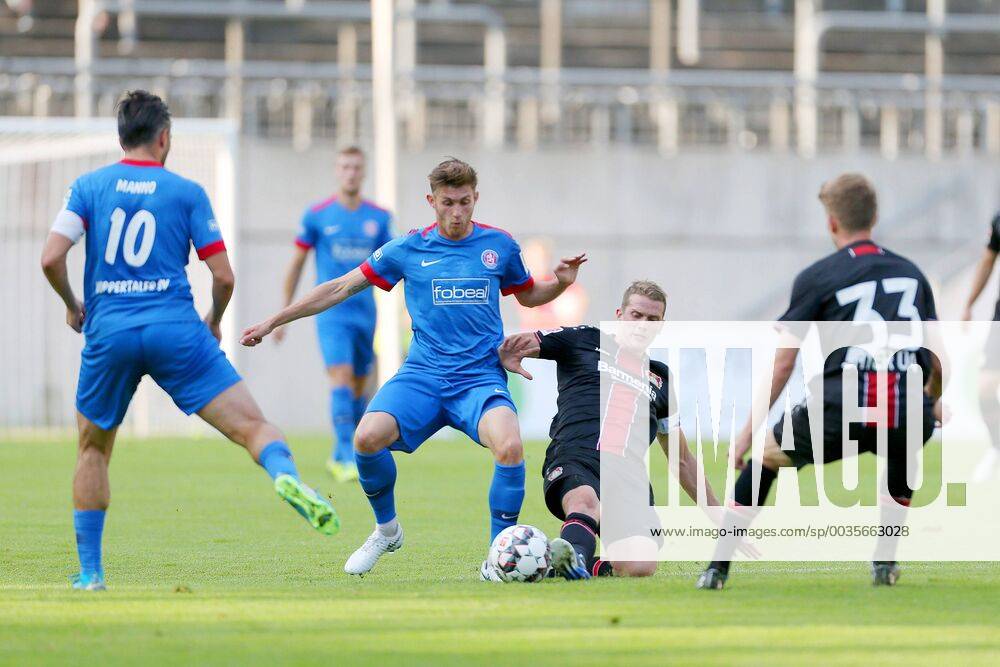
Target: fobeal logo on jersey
490, 258
460, 291
344, 252
370, 228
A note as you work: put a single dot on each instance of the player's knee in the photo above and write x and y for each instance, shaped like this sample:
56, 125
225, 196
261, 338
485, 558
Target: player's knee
640, 568
509, 451
583, 503
94, 444
774, 457
341, 375
369, 440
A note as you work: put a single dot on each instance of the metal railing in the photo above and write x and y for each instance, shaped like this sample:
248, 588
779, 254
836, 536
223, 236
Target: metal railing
805, 110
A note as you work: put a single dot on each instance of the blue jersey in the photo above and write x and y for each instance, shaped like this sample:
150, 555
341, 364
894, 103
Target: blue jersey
343, 239
453, 293
140, 222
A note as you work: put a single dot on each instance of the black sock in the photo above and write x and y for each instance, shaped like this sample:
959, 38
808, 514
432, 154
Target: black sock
743, 493
720, 565
580, 530
601, 568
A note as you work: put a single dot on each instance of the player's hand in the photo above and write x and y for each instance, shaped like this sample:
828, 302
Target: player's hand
279, 334
512, 351
214, 328
742, 445
568, 267
255, 334
75, 317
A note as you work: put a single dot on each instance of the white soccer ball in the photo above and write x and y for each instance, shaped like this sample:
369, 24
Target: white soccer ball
520, 553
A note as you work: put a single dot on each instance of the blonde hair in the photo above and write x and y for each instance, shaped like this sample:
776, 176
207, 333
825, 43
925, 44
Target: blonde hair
851, 199
646, 288
351, 150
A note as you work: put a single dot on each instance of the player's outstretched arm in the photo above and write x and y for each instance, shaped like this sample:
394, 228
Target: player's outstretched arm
543, 291
515, 348
687, 467
54, 267
321, 297
784, 364
292, 277
983, 270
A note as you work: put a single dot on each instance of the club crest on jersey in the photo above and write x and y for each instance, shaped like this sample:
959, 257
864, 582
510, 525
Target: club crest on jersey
554, 473
370, 228
656, 379
490, 258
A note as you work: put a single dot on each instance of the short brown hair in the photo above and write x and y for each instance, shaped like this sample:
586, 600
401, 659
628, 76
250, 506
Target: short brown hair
646, 288
850, 198
453, 173
351, 150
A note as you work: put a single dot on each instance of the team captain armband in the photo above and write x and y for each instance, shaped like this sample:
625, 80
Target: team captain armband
668, 424
69, 224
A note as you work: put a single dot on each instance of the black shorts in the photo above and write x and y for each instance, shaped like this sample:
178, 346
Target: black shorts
571, 466
833, 435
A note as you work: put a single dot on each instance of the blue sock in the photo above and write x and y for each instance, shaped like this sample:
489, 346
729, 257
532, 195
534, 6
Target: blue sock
506, 496
342, 414
360, 403
377, 473
89, 525
276, 459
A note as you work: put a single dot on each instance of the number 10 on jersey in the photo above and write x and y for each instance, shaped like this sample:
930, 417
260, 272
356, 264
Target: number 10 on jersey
143, 221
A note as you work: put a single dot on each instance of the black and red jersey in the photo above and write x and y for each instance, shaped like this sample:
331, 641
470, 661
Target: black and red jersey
583, 356
866, 284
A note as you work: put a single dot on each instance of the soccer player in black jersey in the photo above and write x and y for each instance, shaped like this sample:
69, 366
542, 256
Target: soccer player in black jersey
989, 377
862, 282
572, 467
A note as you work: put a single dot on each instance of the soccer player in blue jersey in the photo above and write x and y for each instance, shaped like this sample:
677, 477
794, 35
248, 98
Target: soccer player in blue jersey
344, 230
139, 222
454, 273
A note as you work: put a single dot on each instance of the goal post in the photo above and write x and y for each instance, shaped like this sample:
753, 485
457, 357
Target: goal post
39, 355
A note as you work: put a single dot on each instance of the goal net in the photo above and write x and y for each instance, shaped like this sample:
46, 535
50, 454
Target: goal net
39, 353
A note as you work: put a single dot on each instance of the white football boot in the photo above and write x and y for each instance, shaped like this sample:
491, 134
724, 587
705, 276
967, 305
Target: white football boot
364, 559
489, 573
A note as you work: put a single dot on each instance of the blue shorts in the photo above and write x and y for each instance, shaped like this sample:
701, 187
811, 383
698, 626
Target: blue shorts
347, 344
422, 403
182, 357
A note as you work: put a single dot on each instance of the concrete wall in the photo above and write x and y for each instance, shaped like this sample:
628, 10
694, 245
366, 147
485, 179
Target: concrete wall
723, 233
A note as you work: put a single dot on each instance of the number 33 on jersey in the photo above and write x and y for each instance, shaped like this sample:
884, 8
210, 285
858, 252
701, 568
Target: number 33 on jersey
140, 221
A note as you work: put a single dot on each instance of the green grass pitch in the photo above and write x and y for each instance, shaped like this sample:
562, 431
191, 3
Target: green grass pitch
206, 566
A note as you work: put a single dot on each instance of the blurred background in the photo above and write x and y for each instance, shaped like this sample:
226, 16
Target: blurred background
683, 141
